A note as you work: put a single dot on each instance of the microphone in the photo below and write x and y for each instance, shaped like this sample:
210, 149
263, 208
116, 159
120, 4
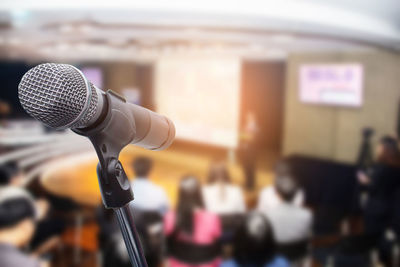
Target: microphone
60, 96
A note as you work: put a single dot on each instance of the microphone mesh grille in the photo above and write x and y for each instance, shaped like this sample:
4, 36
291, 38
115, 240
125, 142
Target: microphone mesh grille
56, 94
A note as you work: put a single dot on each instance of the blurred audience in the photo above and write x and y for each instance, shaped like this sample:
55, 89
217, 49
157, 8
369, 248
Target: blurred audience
17, 226
221, 196
192, 232
143, 188
254, 245
210, 223
269, 197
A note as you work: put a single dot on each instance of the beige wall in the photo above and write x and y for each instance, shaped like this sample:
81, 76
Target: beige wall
335, 132
119, 76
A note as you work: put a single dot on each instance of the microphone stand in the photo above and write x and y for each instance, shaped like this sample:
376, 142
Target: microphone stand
108, 141
117, 194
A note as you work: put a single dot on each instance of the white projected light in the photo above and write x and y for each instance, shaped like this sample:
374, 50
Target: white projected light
201, 96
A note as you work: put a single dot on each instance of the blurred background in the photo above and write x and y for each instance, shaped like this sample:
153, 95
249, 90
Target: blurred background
287, 118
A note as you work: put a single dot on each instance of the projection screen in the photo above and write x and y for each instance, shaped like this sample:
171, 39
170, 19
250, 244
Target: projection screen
201, 96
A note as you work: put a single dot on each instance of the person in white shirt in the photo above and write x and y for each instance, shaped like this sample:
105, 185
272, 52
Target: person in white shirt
269, 197
148, 195
290, 222
220, 195
18, 220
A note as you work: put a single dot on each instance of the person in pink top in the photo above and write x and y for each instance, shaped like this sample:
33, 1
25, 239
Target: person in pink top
192, 232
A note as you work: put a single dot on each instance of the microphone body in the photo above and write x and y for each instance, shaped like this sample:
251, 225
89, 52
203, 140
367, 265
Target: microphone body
60, 96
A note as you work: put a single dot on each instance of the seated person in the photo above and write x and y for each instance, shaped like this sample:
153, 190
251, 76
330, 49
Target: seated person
269, 197
254, 245
110, 239
10, 174
220, 195
192, 232
149, 206
143, 188
290, 222
46, 229
17, 225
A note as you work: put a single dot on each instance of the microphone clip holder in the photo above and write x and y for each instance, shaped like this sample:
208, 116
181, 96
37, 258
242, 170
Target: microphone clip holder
108, 141
114, 184
115, 188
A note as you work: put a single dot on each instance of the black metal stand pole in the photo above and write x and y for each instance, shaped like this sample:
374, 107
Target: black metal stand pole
131, 238
117, 194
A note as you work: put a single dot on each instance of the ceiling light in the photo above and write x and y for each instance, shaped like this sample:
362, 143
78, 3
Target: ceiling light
283, 38
256, 47
62, 46
14, 41
86, 28
66, 28
117, 42
276, 54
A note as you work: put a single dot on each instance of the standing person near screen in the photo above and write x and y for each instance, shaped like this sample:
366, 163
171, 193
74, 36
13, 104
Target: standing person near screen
365, 155
220, 195
17, 226
398, 123
248, 151
144, 188
192, 232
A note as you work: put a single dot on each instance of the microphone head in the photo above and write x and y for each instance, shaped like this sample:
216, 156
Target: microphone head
58, 95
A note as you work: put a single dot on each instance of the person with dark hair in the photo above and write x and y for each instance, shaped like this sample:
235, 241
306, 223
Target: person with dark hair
110, 239
254, 244
143, 188
269, 197
220, 195
5, 177
17, 225
382, 182
150, 205
10, 174
389, 152
192, 232
142, 166
290, 222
